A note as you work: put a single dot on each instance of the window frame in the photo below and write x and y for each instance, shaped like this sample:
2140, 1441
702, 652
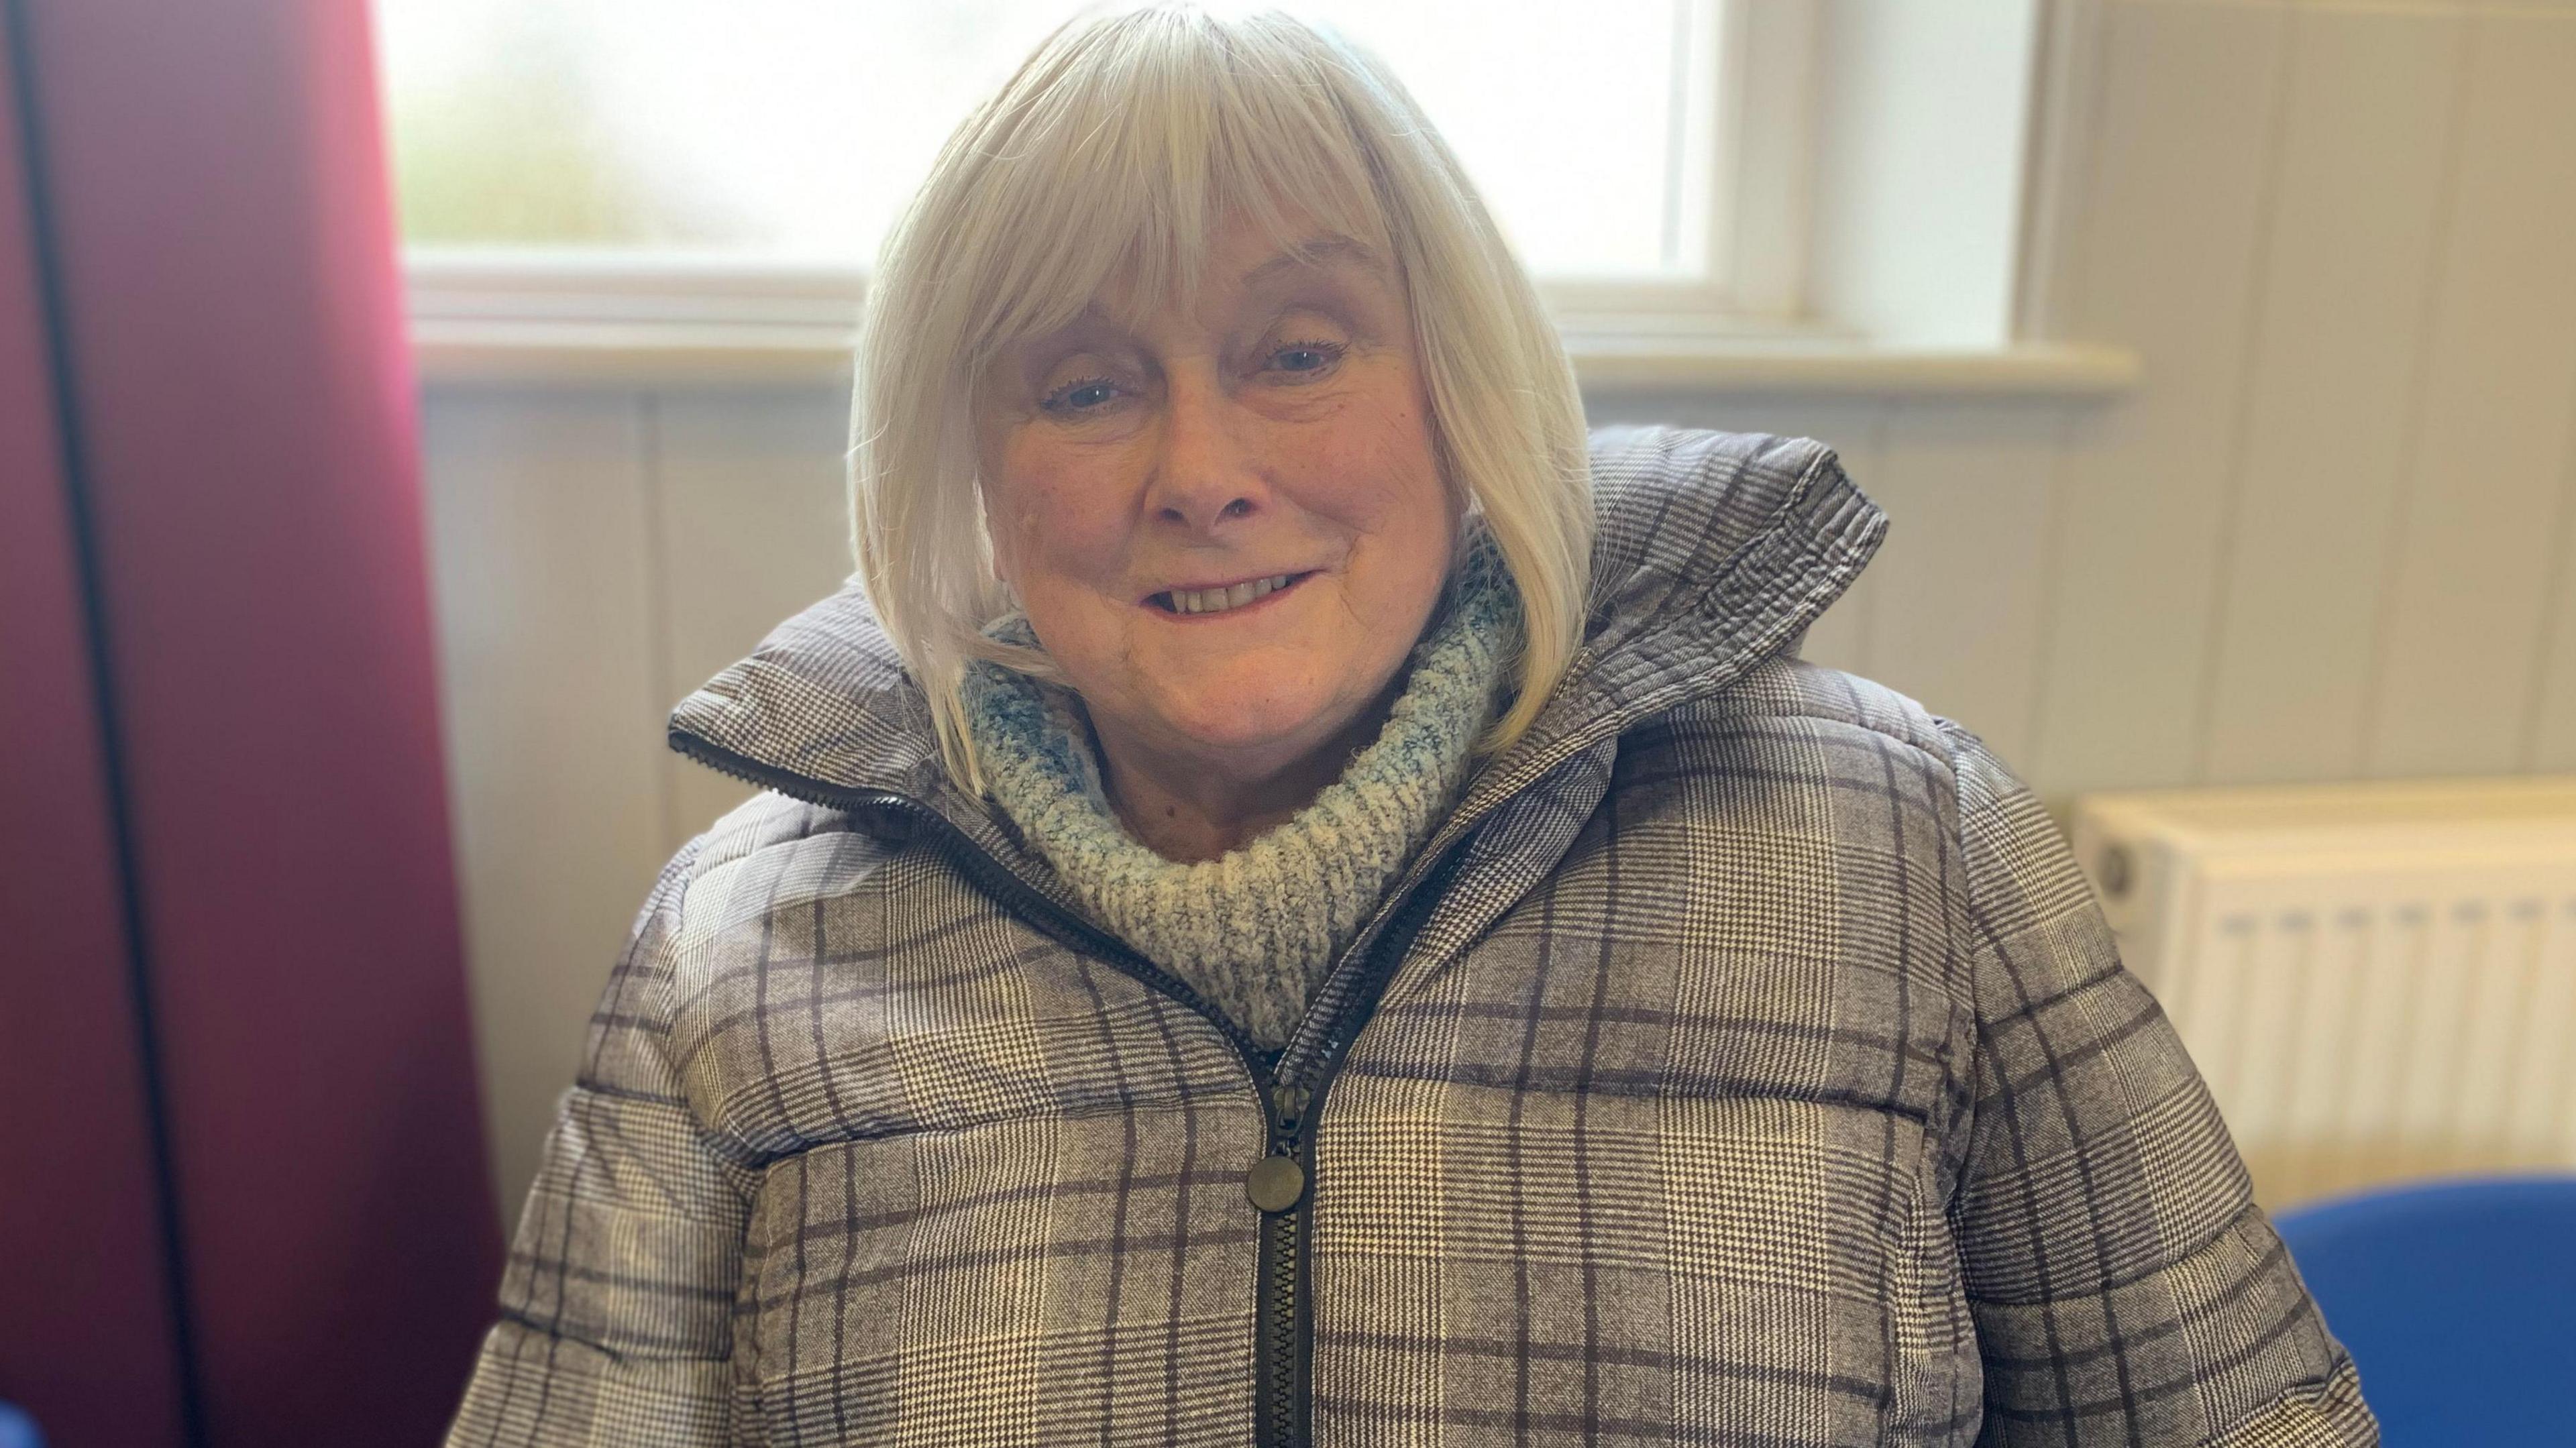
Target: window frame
1751, 152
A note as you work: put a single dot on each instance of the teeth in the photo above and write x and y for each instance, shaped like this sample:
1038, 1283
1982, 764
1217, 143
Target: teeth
1218, 600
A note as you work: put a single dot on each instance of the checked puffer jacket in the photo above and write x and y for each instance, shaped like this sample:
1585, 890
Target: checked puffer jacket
1743, 1061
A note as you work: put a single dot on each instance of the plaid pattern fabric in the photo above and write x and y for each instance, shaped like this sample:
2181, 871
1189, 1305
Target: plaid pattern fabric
1760, 1074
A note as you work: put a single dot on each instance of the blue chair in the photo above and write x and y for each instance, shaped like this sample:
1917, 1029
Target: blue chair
17, 1430
2457, 1300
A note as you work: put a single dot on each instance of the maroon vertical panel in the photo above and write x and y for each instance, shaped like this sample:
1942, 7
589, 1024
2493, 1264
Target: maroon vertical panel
214, 187
86, 1336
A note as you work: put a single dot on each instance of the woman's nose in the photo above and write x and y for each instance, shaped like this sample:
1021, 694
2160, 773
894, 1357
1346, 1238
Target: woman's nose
1204, 473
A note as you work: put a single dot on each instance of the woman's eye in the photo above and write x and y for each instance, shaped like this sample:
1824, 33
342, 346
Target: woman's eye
1088, 395
1307, 356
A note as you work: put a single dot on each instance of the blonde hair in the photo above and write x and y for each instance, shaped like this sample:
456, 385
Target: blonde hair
1115, 151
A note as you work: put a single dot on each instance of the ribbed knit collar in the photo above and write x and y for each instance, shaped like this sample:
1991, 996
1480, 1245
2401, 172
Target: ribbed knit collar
1255, 930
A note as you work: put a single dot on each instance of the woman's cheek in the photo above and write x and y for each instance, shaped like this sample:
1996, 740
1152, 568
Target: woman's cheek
1078, 530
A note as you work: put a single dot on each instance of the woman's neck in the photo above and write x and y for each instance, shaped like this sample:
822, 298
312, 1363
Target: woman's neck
1186, 811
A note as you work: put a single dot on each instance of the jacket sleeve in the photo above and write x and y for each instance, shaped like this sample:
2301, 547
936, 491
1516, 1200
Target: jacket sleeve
616, 1300
2125, 1287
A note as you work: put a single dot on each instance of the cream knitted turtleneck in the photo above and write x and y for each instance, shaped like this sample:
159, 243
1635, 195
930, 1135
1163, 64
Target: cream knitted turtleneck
1255, 930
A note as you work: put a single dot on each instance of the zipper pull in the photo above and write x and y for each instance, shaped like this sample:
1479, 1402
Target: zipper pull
1276, 1182
1288, 1109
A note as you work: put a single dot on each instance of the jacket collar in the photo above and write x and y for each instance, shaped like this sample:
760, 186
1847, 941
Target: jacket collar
1713, 552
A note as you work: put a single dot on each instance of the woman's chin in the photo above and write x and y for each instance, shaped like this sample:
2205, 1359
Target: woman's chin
1244, 737
1238, 725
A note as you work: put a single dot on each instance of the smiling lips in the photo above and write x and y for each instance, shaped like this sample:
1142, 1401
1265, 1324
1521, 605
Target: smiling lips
1195, 602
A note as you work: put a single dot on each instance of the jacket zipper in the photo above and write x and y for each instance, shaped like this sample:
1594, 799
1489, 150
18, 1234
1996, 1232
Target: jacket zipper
1279, 1386
1284, 1345
1287, 1320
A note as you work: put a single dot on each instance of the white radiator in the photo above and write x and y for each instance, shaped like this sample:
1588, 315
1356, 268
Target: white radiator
2377, 980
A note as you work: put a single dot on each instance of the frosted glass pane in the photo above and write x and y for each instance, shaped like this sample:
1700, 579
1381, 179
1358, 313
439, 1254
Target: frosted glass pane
796, 129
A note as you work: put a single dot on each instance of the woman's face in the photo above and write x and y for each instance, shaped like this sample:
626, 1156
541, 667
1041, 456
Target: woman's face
1140, 481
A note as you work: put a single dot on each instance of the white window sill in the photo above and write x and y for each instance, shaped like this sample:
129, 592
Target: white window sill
601, 322
452, 351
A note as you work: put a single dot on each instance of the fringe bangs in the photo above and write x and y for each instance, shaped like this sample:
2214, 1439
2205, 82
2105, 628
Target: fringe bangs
1178, 127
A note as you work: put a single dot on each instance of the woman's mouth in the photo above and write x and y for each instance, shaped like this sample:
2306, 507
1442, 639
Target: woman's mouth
1205, 602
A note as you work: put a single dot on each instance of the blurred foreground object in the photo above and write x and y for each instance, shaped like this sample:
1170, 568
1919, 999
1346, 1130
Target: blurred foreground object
2374, 978
243, 1189
17, 1430
2456, 1299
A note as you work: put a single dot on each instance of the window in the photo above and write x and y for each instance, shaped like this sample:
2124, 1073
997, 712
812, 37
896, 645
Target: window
680, 165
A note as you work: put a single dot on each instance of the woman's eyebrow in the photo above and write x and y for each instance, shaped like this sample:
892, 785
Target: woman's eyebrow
1091, 329
1322, 252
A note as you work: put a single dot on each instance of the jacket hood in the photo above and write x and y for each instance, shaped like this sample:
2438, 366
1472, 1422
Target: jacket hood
1713, 552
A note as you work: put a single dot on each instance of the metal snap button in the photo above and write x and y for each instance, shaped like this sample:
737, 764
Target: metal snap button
1275, 1183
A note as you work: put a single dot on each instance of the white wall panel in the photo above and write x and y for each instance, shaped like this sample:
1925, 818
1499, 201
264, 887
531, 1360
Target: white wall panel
2489, 465
2553, 736
553, 715
752, 527
1955, 608
2165, 264
2323, 421
2552, 742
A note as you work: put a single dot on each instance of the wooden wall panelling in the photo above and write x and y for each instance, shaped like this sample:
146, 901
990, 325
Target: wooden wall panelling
552, 703
2164, 263
2323, 421
2476, 673
751, 527
2552, 747
1955, 615
2487, 473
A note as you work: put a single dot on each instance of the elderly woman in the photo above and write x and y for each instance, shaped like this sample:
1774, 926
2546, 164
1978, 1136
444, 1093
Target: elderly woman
1294, 901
